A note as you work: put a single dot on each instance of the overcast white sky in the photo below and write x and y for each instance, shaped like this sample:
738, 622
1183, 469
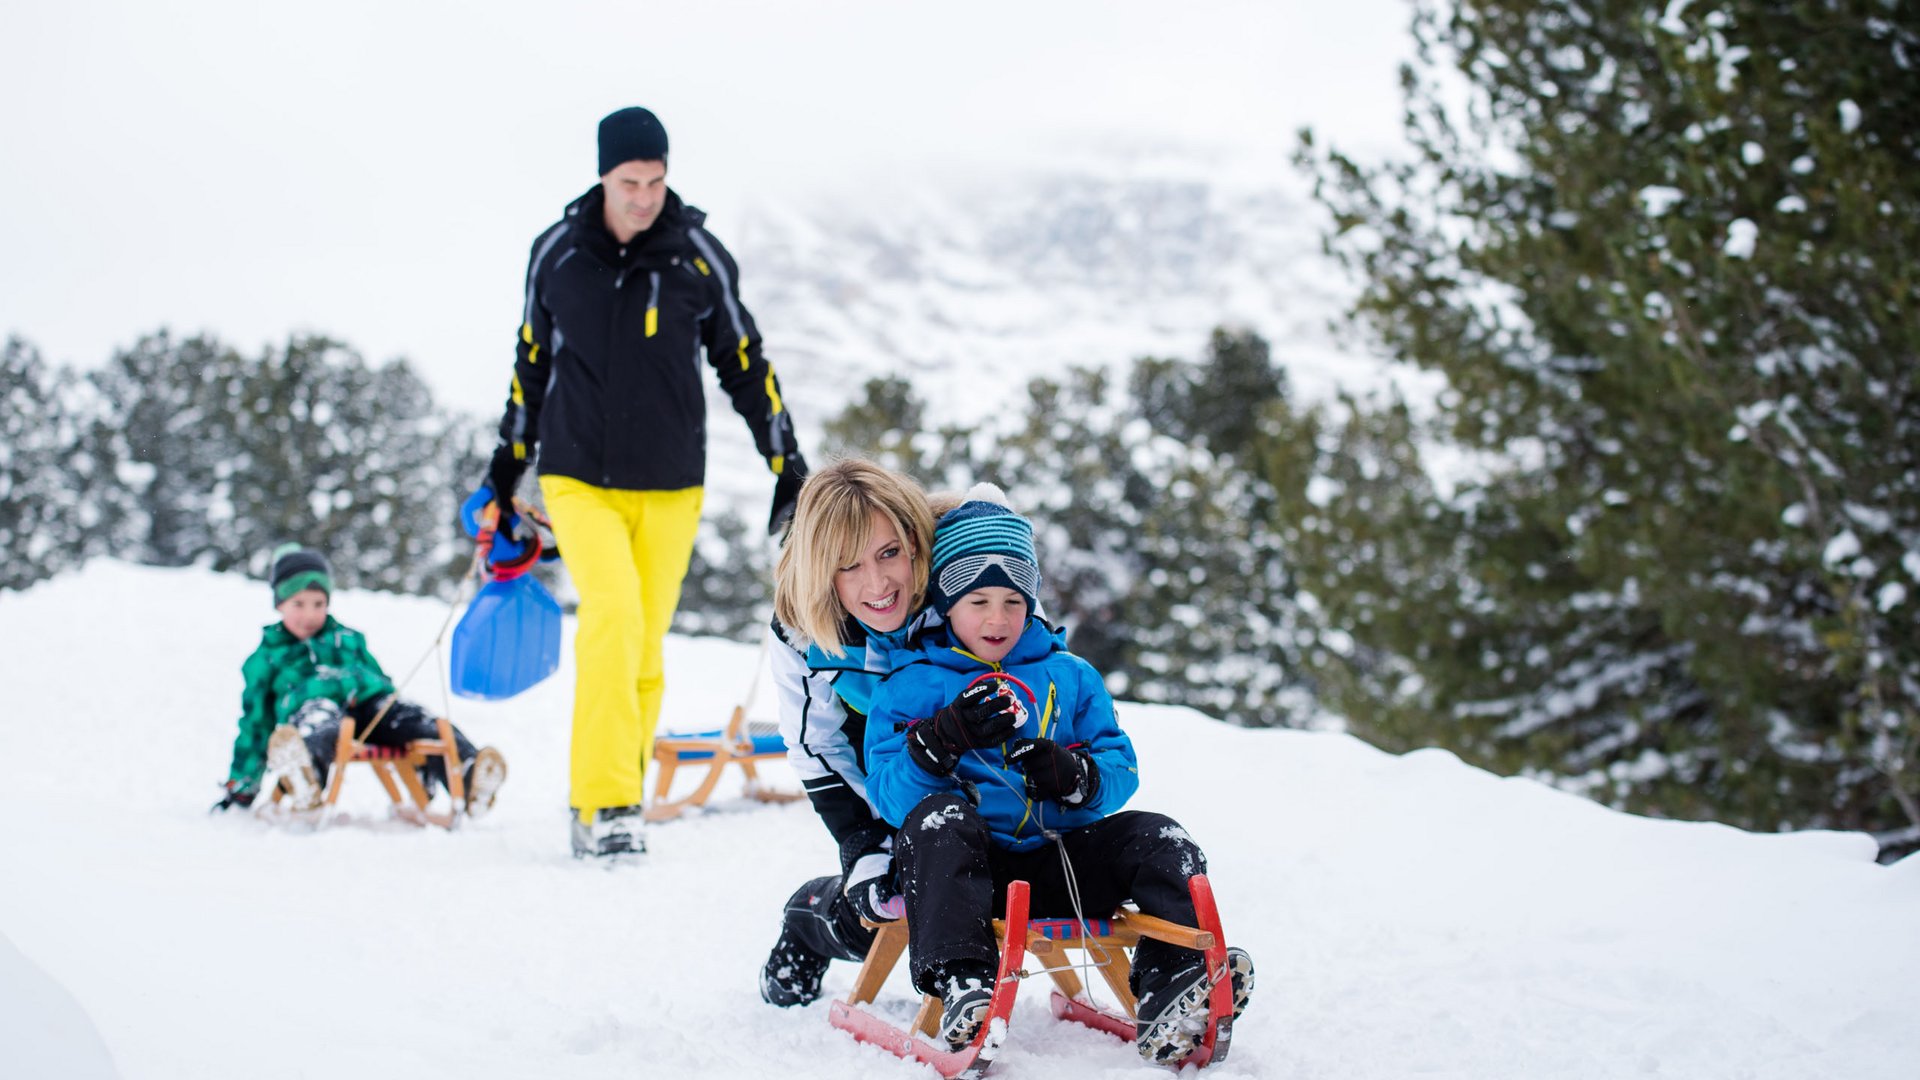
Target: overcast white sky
377, 170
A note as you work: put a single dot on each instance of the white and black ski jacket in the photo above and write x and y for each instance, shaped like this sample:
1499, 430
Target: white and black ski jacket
823, 718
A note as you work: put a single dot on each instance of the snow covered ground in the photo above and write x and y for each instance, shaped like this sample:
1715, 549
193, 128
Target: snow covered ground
1411, 916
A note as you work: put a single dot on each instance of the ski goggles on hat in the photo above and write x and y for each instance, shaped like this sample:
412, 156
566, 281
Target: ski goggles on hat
958, 576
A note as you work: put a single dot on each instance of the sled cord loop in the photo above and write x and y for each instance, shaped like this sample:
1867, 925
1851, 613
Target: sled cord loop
474, 571
1092, 962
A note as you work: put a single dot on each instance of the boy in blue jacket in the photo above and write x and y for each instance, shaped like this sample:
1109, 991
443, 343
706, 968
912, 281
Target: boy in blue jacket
996, 754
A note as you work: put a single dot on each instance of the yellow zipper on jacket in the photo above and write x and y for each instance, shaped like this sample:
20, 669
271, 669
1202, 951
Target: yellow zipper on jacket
1046, 717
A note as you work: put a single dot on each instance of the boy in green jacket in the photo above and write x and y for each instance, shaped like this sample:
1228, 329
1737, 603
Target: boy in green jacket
309, 675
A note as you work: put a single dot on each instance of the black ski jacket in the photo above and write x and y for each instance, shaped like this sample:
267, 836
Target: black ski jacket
606, 376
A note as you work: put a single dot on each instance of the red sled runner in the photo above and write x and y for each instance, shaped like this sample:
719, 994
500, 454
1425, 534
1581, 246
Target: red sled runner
1104, 941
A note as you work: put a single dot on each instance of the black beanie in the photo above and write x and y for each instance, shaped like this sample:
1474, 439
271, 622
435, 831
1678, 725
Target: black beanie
296, 568
631, 134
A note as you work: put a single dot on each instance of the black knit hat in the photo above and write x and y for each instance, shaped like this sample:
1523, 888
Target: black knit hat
631, 134
296, 568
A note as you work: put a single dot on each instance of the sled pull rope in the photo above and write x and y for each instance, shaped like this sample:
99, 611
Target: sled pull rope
474, 571
1091, 946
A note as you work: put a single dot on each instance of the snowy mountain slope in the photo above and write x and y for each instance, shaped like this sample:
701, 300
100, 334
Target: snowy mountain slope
1410, 915
970, 289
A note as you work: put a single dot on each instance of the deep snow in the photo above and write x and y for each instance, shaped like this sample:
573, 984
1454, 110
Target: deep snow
1411, 916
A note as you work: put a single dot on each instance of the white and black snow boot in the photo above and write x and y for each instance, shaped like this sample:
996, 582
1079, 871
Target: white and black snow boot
485, 774
792, 973
289, 760
615, 832
1172, 1018
966, 997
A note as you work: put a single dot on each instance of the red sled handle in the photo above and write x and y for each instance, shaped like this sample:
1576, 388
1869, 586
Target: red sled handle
1004, 677
970, 1061
1220, 999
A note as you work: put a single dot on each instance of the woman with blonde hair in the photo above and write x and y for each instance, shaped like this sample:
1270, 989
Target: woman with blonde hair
849, 589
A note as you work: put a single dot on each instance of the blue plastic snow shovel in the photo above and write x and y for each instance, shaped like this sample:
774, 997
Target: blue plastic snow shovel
509, 639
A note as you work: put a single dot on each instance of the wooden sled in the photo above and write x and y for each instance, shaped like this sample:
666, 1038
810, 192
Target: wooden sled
397, 769
739, 744
1104, 942
918, 1041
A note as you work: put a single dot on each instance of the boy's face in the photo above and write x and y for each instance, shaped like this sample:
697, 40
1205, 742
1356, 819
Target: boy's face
988, 621
303, 613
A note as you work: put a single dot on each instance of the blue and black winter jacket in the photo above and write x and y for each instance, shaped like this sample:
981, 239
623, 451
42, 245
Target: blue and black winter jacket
1070, 706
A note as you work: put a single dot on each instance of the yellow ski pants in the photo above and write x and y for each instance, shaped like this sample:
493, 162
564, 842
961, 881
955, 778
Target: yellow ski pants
627, 552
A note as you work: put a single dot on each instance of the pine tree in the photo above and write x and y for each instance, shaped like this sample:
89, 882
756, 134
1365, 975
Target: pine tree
1155, 539
728, 590
1666, 258
350, 459
43, 475
195, 454
165, 433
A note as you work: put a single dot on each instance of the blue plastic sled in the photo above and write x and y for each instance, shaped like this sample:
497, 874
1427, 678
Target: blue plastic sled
508, 640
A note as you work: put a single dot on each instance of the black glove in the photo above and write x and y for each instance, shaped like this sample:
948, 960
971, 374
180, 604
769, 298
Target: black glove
503, 475
786, 492
983, 715
1062, 774
237, 795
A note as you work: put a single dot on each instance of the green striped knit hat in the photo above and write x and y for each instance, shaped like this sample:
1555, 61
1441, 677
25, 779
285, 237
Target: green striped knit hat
981, 543
296, 568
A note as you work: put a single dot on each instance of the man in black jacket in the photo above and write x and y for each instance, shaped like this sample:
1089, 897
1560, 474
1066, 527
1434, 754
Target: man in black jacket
622, 295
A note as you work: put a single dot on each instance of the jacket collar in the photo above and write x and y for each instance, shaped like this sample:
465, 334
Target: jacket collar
1037, 642
856, 637
278, 636
586, 222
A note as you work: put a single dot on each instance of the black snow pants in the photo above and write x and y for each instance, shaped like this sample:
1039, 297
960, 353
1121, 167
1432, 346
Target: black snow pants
821, 918
319, 723
955, 881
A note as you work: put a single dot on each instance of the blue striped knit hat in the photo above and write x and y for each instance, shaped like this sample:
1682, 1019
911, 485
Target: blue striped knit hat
982, 543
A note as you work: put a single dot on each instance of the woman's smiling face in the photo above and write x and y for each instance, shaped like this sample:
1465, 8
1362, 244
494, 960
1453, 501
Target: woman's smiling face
875, 586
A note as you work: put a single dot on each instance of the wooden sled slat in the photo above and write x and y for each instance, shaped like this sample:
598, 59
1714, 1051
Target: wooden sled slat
736, 745
398, 770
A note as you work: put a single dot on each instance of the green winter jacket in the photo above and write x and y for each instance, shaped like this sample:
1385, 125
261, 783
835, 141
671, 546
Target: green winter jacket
285, 673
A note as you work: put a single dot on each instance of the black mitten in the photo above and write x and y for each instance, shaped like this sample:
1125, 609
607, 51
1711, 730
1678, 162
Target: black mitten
983, 714
786, 492
1062, 774
237, 794
503, 475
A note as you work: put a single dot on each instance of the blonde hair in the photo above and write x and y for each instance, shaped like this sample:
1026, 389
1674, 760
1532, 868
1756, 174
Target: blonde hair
942, 501
832, 526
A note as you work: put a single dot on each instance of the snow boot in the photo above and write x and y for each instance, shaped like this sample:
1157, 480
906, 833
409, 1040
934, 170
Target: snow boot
1172, 1017
966, 995
615, 832
485, 774
792, 973
289, 759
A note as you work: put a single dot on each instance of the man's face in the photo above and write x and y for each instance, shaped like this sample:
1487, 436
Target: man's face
303, 613
636, 193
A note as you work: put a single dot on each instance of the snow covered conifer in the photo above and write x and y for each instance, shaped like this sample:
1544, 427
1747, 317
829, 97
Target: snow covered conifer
1667, 257
43, 475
